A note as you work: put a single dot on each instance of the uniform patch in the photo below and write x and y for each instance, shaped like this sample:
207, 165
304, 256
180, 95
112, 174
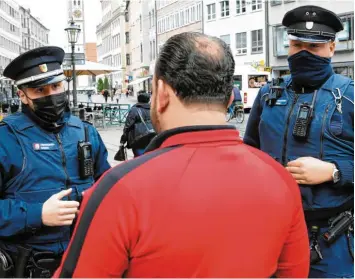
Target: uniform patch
281, 102
309, 25
43, 68
44, 146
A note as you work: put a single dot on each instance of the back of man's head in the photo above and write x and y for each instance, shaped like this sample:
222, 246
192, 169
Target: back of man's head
198, 67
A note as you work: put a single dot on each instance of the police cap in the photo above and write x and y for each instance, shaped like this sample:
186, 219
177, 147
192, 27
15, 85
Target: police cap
37, 67
312, 24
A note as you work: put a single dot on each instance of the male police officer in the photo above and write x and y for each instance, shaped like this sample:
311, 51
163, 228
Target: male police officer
41, 179
311, 118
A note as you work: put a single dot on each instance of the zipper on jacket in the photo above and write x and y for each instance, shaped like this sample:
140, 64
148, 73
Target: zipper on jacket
322, 133
284, 148
64, 161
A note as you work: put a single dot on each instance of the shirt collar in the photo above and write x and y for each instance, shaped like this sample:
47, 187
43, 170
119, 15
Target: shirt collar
194, 134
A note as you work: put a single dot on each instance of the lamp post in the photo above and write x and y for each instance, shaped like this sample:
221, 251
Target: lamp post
73, 34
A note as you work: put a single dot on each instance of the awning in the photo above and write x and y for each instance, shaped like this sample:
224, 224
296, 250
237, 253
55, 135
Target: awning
137, 81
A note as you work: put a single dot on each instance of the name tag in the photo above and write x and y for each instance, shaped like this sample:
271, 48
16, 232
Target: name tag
281, 102
44, 146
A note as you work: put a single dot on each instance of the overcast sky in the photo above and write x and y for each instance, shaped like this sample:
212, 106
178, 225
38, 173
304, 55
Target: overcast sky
53, 14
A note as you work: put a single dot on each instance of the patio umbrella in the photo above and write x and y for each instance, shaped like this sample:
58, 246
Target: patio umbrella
90, 69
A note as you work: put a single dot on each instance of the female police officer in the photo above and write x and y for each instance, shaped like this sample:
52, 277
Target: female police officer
311, 118
41, 179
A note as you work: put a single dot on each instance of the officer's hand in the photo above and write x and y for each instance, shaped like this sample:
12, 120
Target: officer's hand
56, 212
310, 171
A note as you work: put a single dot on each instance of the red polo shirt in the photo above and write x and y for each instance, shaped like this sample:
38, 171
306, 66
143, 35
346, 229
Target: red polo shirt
199, 204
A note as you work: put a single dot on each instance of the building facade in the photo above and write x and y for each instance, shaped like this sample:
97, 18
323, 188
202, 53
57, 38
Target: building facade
10, 32
10, 44
91, 52
153, 46
177, 16
33, 33
241, 24
138, 45
343, 59
109, 38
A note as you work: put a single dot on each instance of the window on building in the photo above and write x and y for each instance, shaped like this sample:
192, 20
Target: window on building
128, 59
275, 2
154, 48
241, 7
211, 11
289, 1
177, 20
198, 11
74, 2
140, 22
141, 53
172, 22
224, 8
256, 41
193, 14
187, 16
182, 19
127, 37
126, 16
153, 18
241, 43
150, 51
226, 39
150, 20
345, 38
256, 5
79, 3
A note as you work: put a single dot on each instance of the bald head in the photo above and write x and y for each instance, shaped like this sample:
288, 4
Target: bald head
198, 67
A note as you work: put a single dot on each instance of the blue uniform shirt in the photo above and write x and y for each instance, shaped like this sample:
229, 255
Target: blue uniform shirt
34, 165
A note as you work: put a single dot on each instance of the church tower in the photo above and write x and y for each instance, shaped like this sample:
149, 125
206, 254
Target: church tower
76, 12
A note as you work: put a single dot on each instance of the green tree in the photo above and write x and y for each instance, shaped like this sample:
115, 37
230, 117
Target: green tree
100, 85
106, 84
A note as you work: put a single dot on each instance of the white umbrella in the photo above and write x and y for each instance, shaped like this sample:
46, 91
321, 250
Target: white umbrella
90, 69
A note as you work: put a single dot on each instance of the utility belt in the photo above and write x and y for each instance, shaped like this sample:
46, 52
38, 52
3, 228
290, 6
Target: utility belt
27, 263
338, 225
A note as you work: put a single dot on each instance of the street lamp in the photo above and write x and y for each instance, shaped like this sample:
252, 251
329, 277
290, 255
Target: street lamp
73, 34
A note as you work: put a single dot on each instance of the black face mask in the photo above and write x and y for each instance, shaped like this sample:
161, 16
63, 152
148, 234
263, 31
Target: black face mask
50, 108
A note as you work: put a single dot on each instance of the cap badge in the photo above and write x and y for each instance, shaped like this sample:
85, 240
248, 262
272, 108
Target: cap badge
309, 25
43, 68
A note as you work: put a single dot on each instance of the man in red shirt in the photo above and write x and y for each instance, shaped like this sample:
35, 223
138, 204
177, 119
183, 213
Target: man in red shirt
199, 203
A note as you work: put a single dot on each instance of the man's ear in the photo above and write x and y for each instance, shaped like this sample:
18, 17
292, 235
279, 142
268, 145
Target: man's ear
23, 97
162, 96
332, 48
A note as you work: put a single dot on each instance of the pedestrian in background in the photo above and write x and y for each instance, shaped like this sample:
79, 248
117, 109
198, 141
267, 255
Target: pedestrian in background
138, 130
193, 205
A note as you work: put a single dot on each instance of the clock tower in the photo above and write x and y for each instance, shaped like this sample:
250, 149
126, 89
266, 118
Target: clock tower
76, 12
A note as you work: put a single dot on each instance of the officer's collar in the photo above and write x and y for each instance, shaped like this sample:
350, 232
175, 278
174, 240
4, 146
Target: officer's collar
29, 122
193, 134
72, 120
328, 85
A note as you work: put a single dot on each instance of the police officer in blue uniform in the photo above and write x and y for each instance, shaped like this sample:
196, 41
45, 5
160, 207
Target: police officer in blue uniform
41, 177
305, 121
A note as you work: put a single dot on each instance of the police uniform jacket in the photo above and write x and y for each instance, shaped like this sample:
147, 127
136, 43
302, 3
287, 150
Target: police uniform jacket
331, 136
34, 165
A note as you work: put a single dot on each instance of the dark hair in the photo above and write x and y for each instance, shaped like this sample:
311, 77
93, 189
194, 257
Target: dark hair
143, 97
199, 67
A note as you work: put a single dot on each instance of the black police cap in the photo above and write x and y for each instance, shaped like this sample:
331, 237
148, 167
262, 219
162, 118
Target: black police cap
312, 24
37, 67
